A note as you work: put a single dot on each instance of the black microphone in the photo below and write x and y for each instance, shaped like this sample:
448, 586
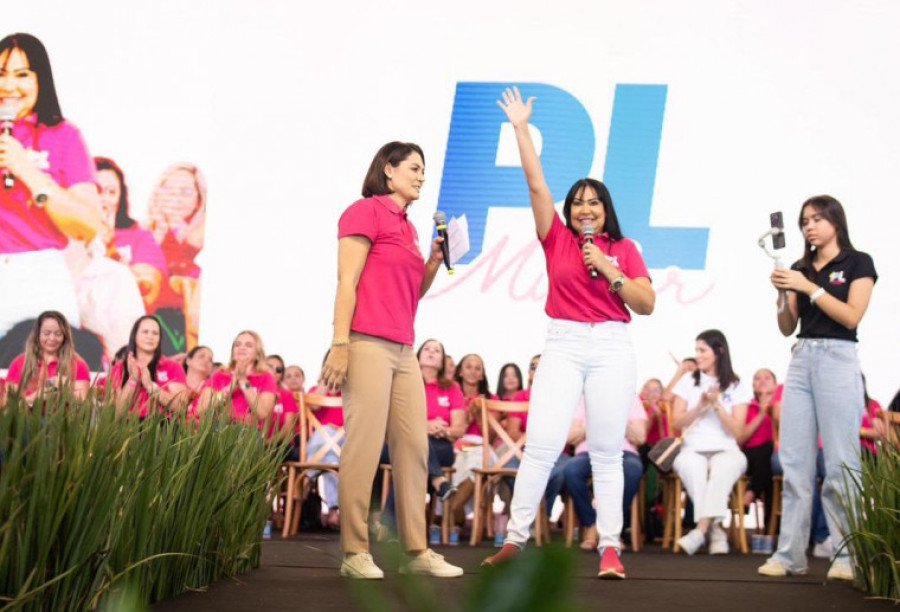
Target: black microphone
7, 116
440, 221
587, 232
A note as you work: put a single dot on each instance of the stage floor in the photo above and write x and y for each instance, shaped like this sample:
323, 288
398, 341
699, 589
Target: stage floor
302, 574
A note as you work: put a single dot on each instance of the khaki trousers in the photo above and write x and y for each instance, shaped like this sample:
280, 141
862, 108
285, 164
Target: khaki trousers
384, 397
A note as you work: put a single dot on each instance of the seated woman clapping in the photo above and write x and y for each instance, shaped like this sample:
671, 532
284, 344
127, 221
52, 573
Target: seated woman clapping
198, 367
710, 409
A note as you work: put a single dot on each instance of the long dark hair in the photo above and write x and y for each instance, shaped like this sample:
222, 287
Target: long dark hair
192, 353
47, 104
832, 211
443, 381
611, 225
719, 344
123, 219
392, 153
483, 387
132, 348
500, 388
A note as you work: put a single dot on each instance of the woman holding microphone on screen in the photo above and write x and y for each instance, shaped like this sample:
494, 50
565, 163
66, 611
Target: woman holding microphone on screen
828, 292
381, 277
588, 351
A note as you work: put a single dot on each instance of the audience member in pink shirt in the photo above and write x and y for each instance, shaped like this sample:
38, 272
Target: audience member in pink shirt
145, 373
276, 366
198, 367
332, 420
873, 429
246, 381
52, 194
49, 362
294, 378
757, 440
127, 241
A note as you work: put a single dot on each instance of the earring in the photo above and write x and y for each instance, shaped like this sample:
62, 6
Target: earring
390, 177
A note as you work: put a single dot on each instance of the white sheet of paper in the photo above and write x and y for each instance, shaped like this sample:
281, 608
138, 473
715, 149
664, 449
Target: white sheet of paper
458, 235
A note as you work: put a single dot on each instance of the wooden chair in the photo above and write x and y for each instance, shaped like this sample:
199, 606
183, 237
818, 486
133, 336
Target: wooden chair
297, 482
489, 476
430, 508
637, 519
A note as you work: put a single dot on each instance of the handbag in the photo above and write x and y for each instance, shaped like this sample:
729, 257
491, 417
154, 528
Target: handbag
664, 452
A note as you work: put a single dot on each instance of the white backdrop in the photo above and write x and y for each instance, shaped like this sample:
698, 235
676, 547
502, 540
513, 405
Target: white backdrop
282, 104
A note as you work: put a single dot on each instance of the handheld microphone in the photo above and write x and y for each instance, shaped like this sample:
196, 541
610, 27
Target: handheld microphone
587, 232
7, 116
440, 221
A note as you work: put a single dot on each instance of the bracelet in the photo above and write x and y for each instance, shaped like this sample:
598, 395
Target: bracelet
815, 295
341, 342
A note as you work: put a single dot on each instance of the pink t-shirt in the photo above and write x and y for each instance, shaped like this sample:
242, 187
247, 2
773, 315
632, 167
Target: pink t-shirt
168, 372
285, 406
387, 295
763, 433
474, 429
522, 396
869, 417
440, 402
14, 374
59, 151
263, 382
658, 425
327, 415
136, 245
573, 295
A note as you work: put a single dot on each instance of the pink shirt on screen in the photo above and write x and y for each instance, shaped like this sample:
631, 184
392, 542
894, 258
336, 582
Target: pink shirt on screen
263, 382
137, 246
440, 402
59, 151
387, 295
326, 415
763, 433
14, 374
573, 295
168, 372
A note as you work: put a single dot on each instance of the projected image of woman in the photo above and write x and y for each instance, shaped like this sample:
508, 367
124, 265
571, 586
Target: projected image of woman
381, 278
49, 191
828, 292
588, 351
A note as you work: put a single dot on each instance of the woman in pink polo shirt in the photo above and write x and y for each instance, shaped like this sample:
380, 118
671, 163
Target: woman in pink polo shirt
757, 440
49, 362
592, 286
294, 378
247, 381
381, 277
198, 366
145, 373
49, 193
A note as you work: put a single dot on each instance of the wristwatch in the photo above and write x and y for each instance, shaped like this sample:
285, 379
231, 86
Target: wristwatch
617, 283
42, 195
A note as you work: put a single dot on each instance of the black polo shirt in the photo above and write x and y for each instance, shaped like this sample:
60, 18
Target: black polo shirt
835, 278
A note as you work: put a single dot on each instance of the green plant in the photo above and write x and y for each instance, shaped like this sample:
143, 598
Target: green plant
874, 516
90, 503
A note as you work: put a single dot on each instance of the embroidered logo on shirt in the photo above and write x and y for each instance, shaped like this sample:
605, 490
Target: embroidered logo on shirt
279, 408
837, 278
613, 259
162, 376
443, 402
41, 159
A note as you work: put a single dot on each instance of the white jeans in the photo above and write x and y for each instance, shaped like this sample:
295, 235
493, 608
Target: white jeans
708, 478
33, 282
595, 360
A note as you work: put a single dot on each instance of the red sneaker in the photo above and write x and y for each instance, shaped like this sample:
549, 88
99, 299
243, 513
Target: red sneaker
506, 553
610, 565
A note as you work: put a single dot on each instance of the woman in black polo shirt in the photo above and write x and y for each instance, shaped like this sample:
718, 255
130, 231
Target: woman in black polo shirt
828, 291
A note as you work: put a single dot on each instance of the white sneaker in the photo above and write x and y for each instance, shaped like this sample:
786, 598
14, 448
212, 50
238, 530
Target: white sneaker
841, 569
776, 569
718, 540
429, 563
360, 565
824, 549
692, 541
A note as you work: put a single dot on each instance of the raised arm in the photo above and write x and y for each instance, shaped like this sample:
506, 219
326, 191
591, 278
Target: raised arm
518, 113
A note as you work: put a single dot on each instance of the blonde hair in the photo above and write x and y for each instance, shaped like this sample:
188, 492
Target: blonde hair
199, 182
259, 360
34, 355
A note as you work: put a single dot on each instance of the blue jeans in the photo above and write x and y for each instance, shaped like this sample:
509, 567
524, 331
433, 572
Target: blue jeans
556, 481
819, 525
578, 470
823, 395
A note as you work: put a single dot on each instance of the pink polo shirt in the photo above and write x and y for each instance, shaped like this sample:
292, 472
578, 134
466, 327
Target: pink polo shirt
763, 433
870, 415
59, 151
387, 295
136, 245
285, 406
440, 402
656, 428
522, 396
263, 382
573, 295
14, 374
326, 415
168, 372
475, 426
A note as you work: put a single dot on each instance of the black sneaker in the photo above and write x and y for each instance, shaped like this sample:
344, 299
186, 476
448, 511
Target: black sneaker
446, 491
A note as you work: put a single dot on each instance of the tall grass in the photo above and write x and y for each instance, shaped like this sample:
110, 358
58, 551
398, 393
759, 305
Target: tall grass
91, 503
874, 516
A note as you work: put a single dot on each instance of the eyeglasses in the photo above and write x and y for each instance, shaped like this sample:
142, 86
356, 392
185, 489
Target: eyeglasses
279, 370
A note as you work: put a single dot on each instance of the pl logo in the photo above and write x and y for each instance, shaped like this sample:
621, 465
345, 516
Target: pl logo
472, 181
